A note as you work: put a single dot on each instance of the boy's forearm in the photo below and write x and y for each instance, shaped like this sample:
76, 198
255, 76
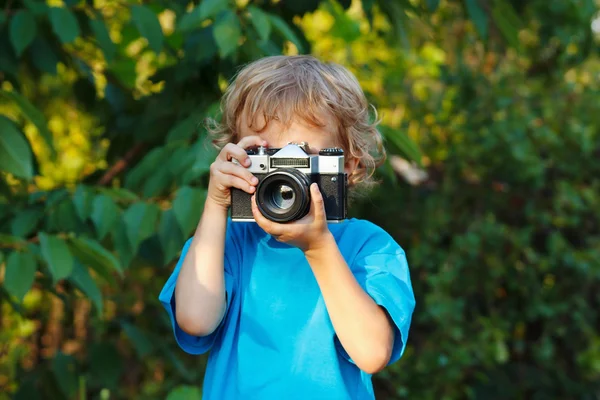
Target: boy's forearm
200, 288
363, 328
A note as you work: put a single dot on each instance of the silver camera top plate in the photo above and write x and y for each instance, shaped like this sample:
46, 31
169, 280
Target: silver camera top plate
284, 158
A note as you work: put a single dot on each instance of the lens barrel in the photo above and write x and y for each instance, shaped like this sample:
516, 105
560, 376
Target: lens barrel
284, 195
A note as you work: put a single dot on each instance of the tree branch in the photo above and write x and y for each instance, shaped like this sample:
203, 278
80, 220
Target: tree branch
121, 164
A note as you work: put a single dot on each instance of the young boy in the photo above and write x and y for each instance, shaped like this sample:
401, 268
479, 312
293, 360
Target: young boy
302, 310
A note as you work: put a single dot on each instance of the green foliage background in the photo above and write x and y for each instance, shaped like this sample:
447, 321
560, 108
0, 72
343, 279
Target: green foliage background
491, 115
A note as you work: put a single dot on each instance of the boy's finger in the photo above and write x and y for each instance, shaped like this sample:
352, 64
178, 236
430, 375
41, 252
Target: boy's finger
232, 169
318, 204
249, 141
231, 151
267, 225
232, 181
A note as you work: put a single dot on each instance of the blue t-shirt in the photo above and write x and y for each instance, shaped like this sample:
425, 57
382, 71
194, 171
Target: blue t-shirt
276, 339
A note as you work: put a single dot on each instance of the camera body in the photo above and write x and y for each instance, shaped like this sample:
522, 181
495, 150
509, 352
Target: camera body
284, 179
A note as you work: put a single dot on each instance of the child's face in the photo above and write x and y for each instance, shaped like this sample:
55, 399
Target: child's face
317, 138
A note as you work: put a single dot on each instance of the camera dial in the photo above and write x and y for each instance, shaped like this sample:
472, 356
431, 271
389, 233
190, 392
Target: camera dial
331, 151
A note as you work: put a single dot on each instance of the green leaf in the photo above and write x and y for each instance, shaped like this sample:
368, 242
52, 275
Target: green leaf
12, 240
157, 183
200, 47
213, 110
56, 253
94, 255
227, 32
187, 207
105, 365
34, 115
269, 48
20, 274
206, 9
170, 235
84, 281
120, 194
140, 220
185, 128
64, 24
15, 154
345, 27
63, 217
367, 6
2, 18
26, 221
103, 38
509, 13
210, 8
478, 16
28, 390
121, 242
22, 30
396, 15
204, 154
124, 70
181, 161
8, 60
502, 353
147, 24
173, 359
260, 21
37, 7
146, 168
5, 211
508, 23
185, 392
190, 21
83, 201
104, 214
432, 4
64, 368
43, 56
55, 196
138, 339
83, 256
403, 144
283, 28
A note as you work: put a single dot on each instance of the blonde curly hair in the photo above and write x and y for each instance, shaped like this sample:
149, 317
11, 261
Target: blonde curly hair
284, 88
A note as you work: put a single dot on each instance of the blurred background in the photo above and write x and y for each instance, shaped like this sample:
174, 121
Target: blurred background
491, 115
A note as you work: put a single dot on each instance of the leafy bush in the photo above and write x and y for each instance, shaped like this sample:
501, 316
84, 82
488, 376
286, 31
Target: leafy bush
103, 175
504, 235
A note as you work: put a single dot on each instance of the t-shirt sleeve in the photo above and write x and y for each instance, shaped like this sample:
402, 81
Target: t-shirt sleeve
383, 272
189, 343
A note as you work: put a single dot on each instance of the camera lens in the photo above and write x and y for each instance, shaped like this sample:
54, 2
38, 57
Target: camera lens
283, 195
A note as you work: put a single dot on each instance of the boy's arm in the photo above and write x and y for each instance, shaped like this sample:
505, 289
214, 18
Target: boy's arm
363, 327
200, 288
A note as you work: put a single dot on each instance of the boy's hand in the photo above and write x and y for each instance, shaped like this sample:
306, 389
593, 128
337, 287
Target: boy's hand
307, 233
224, 174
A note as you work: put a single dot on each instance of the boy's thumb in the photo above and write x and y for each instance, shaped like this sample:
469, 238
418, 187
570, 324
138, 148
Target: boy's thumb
317, 199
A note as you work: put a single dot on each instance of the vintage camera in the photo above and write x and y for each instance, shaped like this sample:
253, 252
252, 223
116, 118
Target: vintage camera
284, 179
